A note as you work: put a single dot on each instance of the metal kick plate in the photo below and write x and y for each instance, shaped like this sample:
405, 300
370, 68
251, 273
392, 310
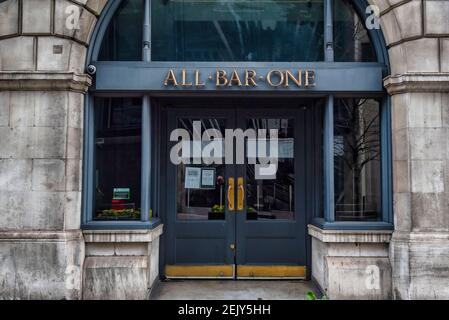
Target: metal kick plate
260, 272
199, 271
243, 271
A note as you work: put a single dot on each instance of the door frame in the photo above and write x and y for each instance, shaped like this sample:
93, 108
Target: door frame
222, 228
296, 226
313, 146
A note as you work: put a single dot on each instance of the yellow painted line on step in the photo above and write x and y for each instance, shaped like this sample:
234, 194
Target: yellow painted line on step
199, 271
271, 271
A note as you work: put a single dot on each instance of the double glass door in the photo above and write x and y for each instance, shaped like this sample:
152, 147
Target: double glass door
235, 192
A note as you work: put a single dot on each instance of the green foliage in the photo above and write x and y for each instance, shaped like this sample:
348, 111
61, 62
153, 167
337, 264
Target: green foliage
124, 213
218, 209
312, 296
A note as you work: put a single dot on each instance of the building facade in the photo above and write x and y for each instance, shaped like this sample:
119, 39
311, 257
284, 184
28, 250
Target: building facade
103, 193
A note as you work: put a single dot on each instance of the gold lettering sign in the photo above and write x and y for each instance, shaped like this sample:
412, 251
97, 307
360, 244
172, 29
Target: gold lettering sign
276, 73
247, 78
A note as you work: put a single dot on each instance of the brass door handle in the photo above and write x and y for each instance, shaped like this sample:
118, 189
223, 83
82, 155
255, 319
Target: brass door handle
240, 194
231, 197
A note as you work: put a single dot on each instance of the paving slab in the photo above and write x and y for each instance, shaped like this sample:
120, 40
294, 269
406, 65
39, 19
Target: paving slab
232, 290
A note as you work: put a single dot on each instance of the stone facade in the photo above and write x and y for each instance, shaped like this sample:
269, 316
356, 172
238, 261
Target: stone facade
121, 264
42, 86
351, 264
43, 253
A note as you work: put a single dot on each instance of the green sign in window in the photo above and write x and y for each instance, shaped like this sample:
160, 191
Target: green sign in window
121, 194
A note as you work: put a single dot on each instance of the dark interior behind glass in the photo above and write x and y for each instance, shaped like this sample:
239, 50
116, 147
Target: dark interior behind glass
357, 159
351, 40
123, 38
256, 30
117, 180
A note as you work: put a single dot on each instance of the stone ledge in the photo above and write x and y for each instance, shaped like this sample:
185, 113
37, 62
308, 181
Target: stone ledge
417, 82
116, 262
40, 236
420, 236
350, 236
44, 81
108, 236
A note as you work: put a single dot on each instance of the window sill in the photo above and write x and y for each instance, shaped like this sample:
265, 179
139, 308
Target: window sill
352, 225
121, 225
350, 235
113, 236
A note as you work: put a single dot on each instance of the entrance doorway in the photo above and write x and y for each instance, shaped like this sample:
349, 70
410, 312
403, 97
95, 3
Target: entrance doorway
236, 219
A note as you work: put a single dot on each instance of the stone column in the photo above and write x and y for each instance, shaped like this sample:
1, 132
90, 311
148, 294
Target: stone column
417, 36
42, 87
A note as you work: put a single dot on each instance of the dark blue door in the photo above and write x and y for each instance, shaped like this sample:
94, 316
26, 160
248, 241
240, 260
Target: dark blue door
233, 218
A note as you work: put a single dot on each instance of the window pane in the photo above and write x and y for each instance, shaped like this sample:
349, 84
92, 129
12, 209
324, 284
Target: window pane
237, 30
357, 159
123, 38
117, 180
201, 188
274, 197
351, 40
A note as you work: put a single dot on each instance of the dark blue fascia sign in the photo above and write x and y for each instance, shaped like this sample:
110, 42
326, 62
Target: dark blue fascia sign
286, 77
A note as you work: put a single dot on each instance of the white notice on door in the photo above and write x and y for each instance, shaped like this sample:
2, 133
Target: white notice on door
208, 178
192, 178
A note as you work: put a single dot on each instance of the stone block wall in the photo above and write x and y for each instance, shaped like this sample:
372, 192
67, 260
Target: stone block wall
351, 264
417, 35
121, 265
42, 88
46, 35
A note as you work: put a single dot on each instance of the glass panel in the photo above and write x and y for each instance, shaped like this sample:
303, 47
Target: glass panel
357, 159
117, 180
237, 30
123, 38
272, 198
351, 39
201, 187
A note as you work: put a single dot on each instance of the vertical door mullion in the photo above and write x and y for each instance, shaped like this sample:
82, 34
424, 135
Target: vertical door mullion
146, 124
240, 171
386, 183
328, 136
146, 159
89, 170
328, 31
328, 143
146, 56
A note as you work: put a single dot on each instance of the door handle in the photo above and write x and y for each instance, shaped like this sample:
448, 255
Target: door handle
240, 194
231, 196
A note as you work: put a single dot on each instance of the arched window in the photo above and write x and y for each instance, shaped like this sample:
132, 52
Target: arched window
136, 43
235, 30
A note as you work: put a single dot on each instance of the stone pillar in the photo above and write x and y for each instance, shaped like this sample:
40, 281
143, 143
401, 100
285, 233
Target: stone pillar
42, 87
416, 33
351, 264
420, 245
121, 264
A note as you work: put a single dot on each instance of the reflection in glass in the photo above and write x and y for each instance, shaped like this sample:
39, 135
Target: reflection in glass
351, 39
201, 193
357, 159
237, 30
118, 123
273, 198
123, 38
